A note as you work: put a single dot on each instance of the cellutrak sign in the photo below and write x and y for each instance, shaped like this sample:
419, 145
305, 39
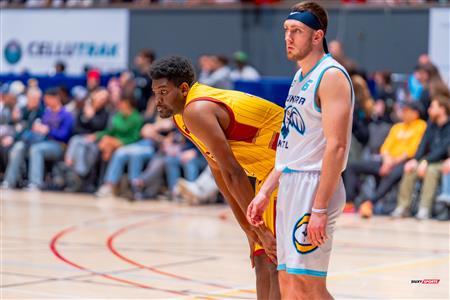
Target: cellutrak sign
35, 39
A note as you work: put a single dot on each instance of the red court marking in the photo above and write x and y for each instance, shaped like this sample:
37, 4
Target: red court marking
58, 254
110, 245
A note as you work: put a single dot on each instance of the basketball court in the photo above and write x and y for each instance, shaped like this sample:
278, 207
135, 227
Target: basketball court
69, 246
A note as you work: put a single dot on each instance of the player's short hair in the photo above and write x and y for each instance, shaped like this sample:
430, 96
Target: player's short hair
315, 9
176, 69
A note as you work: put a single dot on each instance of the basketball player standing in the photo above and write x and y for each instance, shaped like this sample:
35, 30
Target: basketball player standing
311, 154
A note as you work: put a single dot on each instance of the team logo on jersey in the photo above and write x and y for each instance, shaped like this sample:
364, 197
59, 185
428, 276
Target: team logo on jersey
300, 236
292, 119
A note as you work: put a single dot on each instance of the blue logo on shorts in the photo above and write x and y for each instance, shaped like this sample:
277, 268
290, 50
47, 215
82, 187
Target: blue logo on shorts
300, 236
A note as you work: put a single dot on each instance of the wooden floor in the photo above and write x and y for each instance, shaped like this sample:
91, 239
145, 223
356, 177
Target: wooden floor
66, 246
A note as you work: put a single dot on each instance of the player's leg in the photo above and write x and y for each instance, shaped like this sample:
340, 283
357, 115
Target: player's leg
268, 279
267, 286
305, 287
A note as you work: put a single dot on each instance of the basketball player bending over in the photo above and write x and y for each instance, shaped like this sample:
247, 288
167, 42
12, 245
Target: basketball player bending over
237, 133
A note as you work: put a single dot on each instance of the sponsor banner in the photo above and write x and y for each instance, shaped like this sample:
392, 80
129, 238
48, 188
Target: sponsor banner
439, 40
34, 40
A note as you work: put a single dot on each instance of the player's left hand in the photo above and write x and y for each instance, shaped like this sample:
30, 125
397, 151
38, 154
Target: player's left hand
317, 226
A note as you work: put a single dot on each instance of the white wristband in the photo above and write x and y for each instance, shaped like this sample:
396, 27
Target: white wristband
319, 211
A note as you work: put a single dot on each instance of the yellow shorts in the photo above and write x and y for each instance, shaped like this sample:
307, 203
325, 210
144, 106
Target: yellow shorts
269, 214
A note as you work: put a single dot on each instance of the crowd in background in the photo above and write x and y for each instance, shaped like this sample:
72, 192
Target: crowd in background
103, 140
140, 3
110, 141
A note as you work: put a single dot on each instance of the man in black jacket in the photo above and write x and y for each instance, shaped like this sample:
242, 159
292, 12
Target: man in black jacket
426, 164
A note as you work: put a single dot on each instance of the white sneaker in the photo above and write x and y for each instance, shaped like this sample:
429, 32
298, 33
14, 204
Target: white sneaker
105, 191
31, 187
399, 212
189, 191
423, 213
5, 185
443, 198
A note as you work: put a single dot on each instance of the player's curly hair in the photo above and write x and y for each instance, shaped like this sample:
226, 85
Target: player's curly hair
176, 69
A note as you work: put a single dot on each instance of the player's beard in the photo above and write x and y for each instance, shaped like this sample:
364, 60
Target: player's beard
165, 112
302, 52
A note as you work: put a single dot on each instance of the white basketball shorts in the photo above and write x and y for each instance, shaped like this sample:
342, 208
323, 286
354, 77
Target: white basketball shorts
295, 199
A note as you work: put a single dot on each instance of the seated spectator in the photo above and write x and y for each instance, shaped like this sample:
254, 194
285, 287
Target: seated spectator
46, 140
124, 129
136, 155
445, 187
22, 118
400, 145
203, 190
244, 71
181, 153
175, 152
426, 164
75, 105
385, 97
93, 77
8, 109
215, 71
81, 154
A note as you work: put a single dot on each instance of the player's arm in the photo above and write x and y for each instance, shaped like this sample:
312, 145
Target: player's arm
202, 119
336, 103
259, 204
234, 205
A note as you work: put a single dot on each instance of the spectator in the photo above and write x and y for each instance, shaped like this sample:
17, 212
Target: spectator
385, 97
444, 196
124, 128
45, 140
94, 116
337, 51
215, 71
22, 118
81, 154
93, 77
181, 153
400, 145
426, 164
432, 83
60, 68
79, 96
143, 61
202, 190
136, 155
243, 71
415, 87
175, 152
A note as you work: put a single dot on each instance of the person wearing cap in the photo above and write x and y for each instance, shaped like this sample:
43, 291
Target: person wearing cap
93, 77
243, 71
426, 164
312, 153
400, 145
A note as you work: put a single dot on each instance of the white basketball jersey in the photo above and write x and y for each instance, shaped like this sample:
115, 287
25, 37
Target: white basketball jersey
301, 144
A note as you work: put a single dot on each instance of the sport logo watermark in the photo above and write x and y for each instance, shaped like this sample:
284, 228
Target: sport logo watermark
426, 281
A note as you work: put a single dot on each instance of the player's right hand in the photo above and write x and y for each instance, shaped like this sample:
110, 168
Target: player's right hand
256, 209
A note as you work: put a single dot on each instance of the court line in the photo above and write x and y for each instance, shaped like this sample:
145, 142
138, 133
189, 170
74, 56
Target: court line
110, 245
405, 264
397, 230
58, 254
